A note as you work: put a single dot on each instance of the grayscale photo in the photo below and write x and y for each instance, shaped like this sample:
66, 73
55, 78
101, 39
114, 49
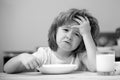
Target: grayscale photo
59, 39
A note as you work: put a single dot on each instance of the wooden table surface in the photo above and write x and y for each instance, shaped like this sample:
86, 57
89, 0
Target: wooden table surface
70, 76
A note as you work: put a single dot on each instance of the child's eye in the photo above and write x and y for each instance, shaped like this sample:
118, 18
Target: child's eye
77, 34
66, 30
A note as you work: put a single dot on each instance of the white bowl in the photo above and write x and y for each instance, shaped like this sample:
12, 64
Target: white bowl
57, 68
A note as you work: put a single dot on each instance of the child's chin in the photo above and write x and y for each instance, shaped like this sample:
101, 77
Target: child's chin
67, 49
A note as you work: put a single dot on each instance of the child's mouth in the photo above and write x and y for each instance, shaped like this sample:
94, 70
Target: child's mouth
67, 42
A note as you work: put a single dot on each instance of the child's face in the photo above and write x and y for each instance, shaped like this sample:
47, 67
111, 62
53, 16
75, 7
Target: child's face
68, 38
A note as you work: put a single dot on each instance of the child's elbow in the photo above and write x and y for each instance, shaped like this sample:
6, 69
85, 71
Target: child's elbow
6, 70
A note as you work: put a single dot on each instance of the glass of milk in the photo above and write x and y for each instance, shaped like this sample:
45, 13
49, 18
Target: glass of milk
105, 61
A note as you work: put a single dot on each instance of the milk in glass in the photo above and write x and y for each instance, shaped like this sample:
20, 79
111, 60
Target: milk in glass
105, 61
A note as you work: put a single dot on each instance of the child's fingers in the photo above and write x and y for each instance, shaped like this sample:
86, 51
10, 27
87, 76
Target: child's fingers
27, 66
31, 65
34, 64
78, 21
86, 19
81, 18
39, 63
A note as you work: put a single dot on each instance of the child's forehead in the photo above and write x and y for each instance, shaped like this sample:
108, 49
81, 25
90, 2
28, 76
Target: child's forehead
69, 25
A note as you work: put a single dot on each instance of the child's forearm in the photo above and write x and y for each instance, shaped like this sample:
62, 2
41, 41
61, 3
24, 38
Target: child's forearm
91, 50
14, 65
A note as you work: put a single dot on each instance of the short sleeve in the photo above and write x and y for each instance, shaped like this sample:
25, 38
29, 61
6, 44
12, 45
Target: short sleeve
41, 54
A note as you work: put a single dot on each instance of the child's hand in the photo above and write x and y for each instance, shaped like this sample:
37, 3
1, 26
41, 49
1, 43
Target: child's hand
29, 61
84, 26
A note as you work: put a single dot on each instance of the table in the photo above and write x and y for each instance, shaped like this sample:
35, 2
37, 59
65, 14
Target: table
71, 76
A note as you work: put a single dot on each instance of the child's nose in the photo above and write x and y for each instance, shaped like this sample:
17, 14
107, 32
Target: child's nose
70, 35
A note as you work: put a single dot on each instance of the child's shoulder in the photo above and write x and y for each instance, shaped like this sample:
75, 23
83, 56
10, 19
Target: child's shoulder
39, 48
44, 49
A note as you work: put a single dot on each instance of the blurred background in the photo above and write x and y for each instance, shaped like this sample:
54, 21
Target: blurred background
24, 24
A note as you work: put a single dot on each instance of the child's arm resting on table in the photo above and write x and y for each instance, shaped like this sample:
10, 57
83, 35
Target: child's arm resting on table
21, 63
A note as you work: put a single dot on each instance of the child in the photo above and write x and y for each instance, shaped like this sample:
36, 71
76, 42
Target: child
72, 40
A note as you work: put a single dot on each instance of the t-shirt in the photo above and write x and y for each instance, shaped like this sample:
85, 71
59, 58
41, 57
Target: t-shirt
47, 56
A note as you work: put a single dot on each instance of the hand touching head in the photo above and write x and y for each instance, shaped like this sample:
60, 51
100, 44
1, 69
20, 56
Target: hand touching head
68, 18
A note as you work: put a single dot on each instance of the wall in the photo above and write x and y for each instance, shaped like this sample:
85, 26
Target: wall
24, 24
